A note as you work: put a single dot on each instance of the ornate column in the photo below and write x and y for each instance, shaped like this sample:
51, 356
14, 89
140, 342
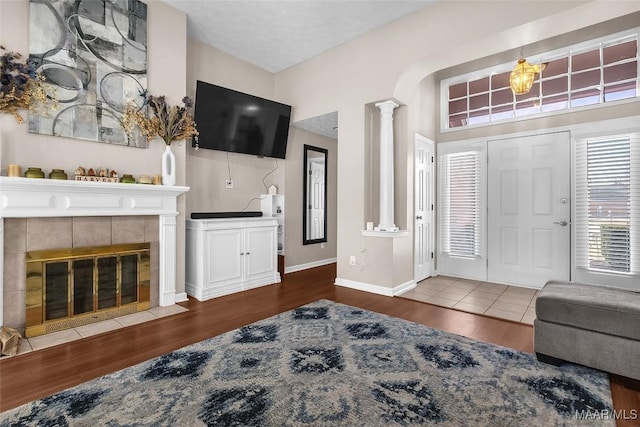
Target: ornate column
386, 166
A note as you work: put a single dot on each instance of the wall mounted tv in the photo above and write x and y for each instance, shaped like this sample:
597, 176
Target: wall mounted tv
233, 121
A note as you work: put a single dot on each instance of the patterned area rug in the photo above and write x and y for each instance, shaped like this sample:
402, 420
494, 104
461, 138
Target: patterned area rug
328, 364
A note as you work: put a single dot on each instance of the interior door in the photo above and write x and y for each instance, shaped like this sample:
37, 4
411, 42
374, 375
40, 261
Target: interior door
529, 187
424, 207
316, 207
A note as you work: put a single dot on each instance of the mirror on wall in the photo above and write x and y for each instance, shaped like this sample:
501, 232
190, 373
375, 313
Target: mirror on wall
314, 211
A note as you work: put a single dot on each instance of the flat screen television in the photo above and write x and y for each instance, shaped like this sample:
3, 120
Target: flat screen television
233, 121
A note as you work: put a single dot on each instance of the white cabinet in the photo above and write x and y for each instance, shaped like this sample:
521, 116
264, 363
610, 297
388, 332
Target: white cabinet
230, 255
273, 205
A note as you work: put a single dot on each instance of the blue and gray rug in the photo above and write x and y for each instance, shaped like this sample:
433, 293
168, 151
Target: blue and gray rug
328, 364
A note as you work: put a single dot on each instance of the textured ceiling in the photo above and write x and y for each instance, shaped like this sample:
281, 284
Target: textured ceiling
278, 34
326, 124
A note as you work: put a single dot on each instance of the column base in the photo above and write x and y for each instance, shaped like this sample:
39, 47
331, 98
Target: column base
389, 229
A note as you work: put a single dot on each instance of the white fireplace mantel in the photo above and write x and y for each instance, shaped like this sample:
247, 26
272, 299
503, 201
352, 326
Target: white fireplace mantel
28, 197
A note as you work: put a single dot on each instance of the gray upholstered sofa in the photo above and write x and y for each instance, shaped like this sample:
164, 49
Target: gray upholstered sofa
591, 325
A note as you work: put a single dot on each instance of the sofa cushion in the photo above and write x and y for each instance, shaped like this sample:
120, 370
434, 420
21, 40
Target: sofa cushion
593, 307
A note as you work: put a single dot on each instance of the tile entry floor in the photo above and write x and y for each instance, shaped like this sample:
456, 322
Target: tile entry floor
67, 335
505, 302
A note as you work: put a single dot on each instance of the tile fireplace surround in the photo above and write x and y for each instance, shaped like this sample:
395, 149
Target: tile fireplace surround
74, 213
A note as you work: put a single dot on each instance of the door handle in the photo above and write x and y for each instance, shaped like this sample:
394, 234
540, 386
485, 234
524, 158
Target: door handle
562, 223
419, 217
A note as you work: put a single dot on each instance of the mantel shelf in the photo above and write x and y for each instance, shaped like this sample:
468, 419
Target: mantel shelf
34, 184
29, 197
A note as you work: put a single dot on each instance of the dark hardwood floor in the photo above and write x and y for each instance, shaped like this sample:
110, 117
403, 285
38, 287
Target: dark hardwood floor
40, 373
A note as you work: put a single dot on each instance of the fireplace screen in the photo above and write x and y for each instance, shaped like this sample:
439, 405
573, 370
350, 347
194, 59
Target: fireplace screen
73, 287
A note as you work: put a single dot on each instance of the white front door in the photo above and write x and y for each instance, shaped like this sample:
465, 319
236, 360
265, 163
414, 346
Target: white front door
424, 207
529, 209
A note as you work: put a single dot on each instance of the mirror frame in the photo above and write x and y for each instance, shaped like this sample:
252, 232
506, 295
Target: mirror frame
305, 194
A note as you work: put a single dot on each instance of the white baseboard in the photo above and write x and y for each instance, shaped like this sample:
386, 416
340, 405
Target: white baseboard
376, 289
300, 267
181, 297
406, 286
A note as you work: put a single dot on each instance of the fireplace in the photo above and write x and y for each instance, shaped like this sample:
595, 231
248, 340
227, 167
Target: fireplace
47, 259
45, 214
76, 286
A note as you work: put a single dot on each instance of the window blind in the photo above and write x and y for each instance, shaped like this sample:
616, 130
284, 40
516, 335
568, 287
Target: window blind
607, 202
461, 202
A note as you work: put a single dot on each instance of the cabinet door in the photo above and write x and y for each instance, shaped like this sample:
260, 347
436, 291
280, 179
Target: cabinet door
224, 249
260, 248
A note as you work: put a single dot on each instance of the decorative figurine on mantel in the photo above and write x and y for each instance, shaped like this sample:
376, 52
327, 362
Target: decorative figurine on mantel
103, 175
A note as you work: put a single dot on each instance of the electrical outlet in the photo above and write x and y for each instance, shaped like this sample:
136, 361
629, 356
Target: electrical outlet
321, 245
352, 260
229, 183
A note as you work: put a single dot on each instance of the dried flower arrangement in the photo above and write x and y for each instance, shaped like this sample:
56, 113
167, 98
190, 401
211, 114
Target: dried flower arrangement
21, 88
170, 123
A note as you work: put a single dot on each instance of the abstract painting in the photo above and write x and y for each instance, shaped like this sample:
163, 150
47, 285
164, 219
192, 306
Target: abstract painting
92, 55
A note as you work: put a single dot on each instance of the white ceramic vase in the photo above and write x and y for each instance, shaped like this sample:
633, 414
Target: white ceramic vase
168, 167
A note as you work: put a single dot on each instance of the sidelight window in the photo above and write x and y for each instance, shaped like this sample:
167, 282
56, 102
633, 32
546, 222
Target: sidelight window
607, 201
461, 204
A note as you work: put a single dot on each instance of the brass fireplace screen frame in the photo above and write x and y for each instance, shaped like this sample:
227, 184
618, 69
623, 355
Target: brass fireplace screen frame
117, 287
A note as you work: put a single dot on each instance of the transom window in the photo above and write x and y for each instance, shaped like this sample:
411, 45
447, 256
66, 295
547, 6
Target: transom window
591, 73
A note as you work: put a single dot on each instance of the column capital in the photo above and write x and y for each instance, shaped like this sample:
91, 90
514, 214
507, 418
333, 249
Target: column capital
386, 106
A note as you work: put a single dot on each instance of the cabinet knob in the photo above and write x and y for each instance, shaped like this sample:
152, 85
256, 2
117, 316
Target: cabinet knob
241, 253
248, 253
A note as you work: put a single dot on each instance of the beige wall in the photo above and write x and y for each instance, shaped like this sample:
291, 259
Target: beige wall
166, 56
214, 66
351, 193
295, 252
424, 108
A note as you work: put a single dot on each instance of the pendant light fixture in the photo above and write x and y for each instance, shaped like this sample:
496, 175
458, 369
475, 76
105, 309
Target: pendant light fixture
523, 75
